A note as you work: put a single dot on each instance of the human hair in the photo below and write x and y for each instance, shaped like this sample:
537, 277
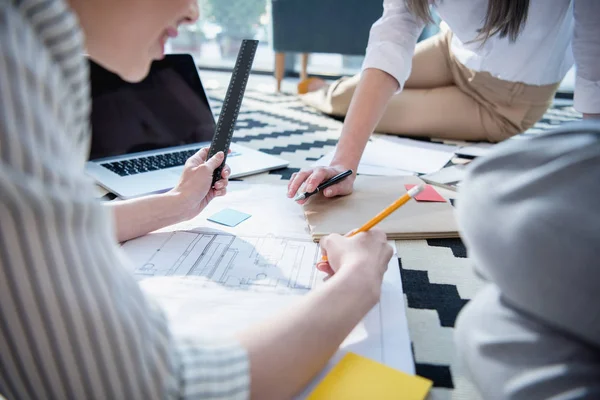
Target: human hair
503, 17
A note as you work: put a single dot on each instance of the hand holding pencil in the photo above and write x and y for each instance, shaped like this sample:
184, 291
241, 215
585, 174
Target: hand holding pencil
324, 265
365, 256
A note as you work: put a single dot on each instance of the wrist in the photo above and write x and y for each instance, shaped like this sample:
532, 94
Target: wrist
344, 162
175, 206
358, 284
350, 148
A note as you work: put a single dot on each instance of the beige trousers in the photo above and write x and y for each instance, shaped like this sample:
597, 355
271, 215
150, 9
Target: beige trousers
444, 99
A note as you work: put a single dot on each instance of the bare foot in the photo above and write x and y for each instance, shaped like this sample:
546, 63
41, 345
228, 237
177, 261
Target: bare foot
311, 85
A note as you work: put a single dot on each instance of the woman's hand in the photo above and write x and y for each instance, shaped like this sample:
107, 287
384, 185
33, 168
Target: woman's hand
310, 178
194, 188
364, 256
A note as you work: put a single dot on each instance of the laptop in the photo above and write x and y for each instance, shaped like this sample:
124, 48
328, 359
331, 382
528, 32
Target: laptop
142, 133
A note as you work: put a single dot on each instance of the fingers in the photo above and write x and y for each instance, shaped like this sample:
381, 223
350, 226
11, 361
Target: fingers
312, 177
297, 180
366, 253
198, 158
215, 161
203, 153
220, 184
329, 241
351, 233
226, 172
220, 192
323, 245
332, 191
325, 267
327, 244
315, 179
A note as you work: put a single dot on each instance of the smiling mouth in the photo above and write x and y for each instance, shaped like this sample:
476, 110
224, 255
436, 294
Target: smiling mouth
171, 32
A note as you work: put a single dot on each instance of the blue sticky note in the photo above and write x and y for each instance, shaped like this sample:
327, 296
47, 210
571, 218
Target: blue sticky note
229, 217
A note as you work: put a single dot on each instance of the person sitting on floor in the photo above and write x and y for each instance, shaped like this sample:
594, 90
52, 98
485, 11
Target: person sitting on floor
490, 76
530, 219
504, 83
73, 322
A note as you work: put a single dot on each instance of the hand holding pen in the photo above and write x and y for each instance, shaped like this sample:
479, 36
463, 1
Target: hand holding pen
309, 179
332, 181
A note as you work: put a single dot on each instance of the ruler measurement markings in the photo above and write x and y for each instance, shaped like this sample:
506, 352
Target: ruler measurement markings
228, 116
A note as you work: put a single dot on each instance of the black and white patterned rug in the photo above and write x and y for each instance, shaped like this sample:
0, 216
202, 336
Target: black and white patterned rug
436, 274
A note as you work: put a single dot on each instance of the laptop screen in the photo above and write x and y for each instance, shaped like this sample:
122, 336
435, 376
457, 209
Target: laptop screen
168, 108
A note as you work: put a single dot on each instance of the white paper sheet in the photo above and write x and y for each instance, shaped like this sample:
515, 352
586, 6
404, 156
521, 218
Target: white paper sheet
212, 281
475, 150
390, 155
216, 280
364, 168
270, 209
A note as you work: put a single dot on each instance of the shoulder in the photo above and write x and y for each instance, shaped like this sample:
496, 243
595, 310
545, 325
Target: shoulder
542, 175
529, 217
43, 73
569, 141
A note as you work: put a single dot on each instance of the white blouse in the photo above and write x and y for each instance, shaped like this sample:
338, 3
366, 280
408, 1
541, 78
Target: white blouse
557, 34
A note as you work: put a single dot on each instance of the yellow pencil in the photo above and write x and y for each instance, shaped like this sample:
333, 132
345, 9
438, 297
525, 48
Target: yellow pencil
386, 212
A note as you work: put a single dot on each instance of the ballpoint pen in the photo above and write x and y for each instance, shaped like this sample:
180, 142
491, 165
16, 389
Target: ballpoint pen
326, 184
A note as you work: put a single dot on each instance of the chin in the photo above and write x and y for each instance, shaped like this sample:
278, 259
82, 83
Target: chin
137, 72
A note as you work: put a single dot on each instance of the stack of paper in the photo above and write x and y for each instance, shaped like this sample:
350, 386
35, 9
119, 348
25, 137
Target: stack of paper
394, 156
475, 150
216, 280
449, 178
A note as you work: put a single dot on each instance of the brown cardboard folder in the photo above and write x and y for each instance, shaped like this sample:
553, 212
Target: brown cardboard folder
414, 220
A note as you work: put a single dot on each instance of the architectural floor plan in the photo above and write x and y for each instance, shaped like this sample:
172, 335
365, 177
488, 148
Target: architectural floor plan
244, 262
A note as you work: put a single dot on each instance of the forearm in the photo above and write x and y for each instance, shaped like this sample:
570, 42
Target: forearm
288, 350
366, 109
137, 217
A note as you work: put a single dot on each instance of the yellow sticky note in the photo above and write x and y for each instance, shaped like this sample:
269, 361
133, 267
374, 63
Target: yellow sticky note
357, 377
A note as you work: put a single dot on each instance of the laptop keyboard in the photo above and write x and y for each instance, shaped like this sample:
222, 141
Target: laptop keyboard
151, 163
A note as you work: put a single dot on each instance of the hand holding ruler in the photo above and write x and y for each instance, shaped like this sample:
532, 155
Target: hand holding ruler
231, 105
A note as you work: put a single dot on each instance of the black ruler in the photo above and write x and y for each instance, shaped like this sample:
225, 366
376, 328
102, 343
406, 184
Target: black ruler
232, 103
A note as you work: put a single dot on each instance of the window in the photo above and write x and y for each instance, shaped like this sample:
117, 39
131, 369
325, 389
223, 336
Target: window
214, 40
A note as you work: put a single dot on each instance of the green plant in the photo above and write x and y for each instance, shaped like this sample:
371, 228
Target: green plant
238, 18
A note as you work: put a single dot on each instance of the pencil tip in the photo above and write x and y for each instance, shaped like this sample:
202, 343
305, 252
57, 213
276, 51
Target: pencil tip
299, 197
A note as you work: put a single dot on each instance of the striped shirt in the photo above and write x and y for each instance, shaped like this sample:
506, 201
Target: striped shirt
73, 322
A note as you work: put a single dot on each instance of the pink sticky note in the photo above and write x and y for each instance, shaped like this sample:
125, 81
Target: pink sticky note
428, 194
